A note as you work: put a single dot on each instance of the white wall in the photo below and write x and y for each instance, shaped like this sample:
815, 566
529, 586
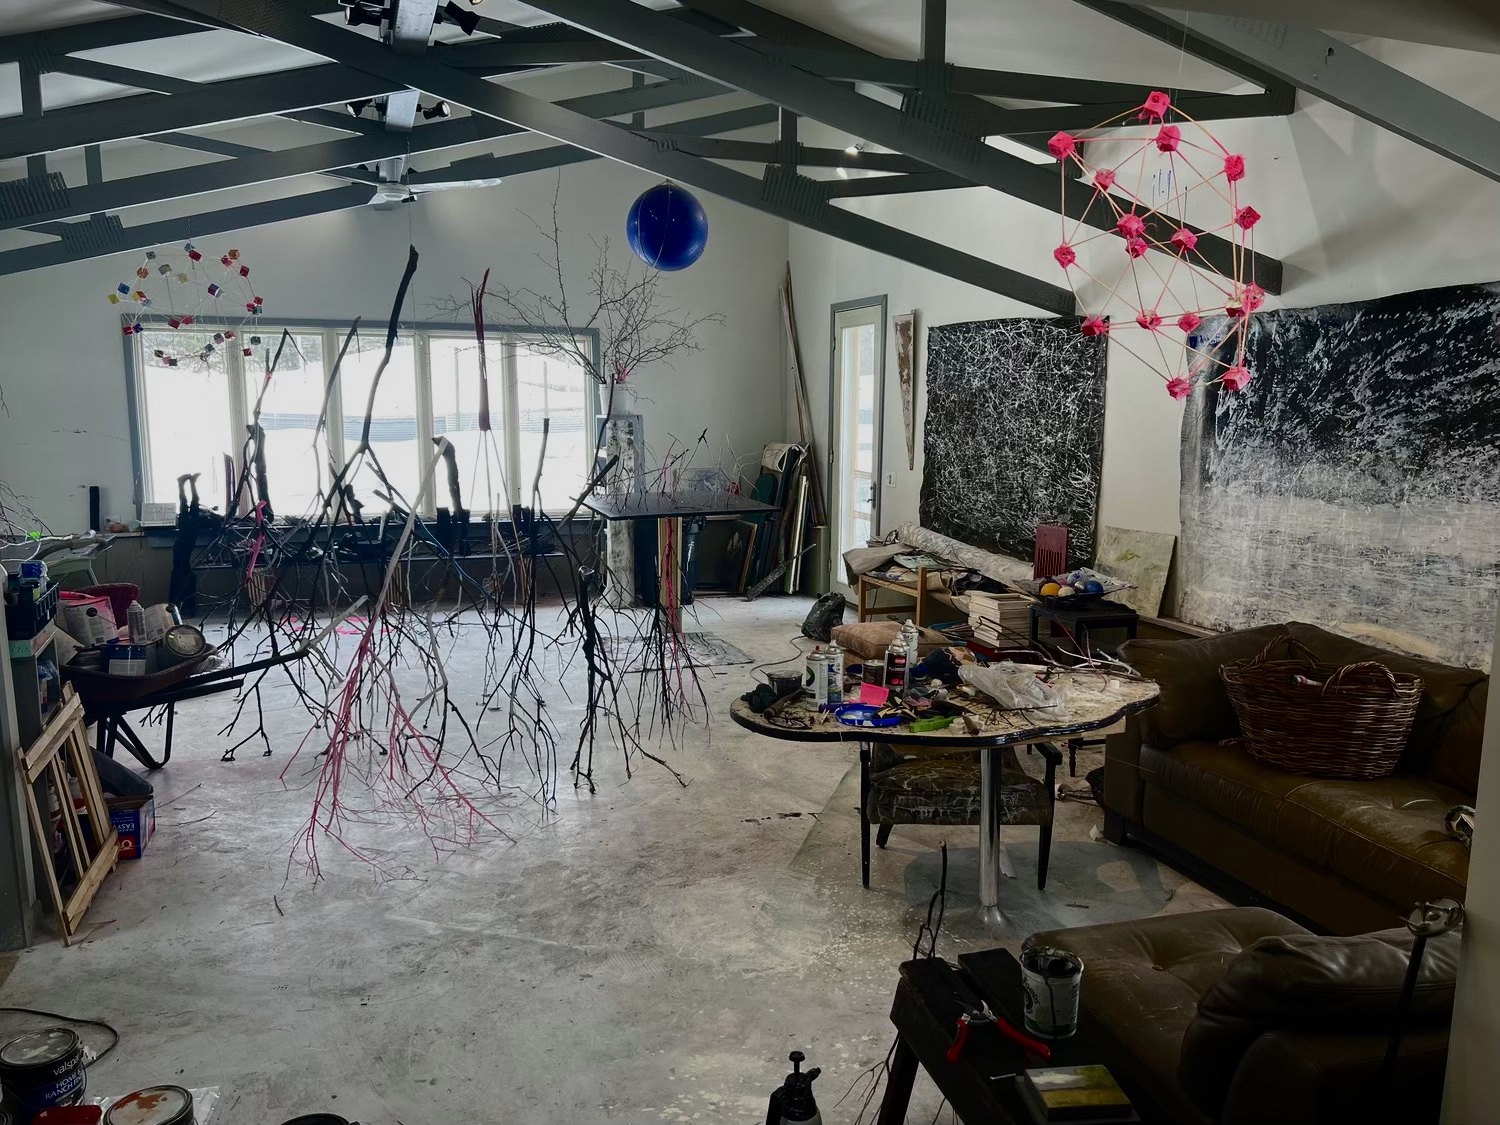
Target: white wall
1352, 210
61, 367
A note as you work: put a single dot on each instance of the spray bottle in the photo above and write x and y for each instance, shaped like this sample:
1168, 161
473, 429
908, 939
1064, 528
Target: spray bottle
792, 1103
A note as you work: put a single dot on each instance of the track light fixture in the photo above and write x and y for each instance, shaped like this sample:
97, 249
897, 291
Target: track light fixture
364, 13
452, 13
356, 108
438, 110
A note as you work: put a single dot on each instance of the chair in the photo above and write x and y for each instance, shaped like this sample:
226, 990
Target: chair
913, 785
1051, 554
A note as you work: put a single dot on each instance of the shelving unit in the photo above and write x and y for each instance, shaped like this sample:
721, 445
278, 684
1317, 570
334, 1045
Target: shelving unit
25, 657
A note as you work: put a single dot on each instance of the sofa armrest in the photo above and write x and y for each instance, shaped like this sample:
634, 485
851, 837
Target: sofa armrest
1123, 787
1290, 1077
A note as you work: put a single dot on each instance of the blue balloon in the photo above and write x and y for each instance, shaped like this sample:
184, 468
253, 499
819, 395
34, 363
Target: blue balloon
667, 227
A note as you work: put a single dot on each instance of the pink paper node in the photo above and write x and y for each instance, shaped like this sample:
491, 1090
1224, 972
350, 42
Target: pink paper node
1237, 378
1179, 387
1062, 145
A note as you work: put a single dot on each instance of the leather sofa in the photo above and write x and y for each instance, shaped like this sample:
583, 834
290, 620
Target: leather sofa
1239, 1016
1347, 856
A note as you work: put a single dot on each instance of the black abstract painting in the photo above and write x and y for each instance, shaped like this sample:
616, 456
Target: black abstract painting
1356, 482
1014, 433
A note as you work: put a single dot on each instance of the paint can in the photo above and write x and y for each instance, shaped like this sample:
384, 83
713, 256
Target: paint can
1051, 982
155, 1105
181, 642
127, 660
42, 1069
318, 1119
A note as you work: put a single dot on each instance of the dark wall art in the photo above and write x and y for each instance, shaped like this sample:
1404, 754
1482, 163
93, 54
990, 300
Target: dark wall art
1355, 483
1014, 433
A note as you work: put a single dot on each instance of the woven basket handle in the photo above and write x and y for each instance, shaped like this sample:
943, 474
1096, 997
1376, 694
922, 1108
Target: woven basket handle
1292, 643
1369, 670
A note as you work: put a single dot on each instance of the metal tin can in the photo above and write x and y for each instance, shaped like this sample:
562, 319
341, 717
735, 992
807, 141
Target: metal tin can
816, 680
42, 1069
1051, 982
155, 1105
181, 642
127, 660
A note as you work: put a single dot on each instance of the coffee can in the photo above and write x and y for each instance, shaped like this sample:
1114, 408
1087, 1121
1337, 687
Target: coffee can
155, 1105
1051, 984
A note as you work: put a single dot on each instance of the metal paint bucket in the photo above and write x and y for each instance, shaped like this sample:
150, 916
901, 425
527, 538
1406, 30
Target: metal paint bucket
42, 1069
155, 1105
318, 1119
1051, 981
181, 642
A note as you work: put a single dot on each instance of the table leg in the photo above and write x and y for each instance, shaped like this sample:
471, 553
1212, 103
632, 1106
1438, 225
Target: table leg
904, 1066
992, 857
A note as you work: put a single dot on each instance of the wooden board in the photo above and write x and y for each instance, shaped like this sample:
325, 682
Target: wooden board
1142, 558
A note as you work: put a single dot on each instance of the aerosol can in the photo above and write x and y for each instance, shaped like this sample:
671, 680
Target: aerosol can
792, 1103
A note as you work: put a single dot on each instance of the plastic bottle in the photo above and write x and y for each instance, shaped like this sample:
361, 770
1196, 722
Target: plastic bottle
912, 638
835, 659
135, 618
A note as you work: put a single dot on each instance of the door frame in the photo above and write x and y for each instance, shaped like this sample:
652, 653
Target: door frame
834, 494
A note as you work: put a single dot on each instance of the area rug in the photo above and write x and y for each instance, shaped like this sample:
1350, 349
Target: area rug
701, 650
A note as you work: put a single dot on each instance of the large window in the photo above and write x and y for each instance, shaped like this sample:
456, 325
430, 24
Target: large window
193, 414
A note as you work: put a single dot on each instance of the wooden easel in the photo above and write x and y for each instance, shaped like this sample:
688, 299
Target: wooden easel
63, 749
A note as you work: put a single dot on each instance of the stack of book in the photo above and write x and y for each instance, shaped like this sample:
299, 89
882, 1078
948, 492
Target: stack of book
1083, 1095
1000, 620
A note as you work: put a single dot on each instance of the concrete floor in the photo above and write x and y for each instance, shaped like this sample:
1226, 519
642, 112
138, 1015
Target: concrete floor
647, 954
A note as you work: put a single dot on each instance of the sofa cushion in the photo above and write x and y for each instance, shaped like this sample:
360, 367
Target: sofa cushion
1142, 980
868, 640
1306, 982
1193, 703
1445, 688
1225, 781
1455, 757
1386, 835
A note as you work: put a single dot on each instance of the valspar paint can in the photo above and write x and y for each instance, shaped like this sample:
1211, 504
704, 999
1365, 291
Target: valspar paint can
1051, 980
42, 1069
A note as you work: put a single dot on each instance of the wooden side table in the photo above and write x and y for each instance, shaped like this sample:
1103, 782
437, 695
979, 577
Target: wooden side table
1083, 619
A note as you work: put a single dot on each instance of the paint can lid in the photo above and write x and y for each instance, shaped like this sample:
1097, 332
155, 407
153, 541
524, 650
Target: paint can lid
37, 1050
155, 1105
184, 640
317, 1119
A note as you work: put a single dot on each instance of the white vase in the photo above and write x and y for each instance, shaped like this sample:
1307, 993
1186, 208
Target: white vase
621, 398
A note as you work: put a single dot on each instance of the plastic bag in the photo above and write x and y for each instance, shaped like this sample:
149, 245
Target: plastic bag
1011, 686
826, 612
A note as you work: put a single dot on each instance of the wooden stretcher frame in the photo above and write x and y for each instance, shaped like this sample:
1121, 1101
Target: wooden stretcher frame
63, 748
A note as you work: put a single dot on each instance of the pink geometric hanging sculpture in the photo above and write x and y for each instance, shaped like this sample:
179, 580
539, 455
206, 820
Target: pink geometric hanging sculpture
1155, 295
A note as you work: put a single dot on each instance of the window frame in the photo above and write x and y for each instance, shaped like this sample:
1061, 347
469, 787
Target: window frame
333, 333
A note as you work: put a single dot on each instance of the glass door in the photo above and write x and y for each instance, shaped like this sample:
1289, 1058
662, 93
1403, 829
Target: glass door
858, 393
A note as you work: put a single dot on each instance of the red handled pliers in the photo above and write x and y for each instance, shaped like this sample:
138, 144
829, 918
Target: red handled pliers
983, 1015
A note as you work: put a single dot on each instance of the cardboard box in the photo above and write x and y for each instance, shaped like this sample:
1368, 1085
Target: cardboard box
134, 819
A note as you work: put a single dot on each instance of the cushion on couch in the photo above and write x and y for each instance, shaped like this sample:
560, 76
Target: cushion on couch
1307, 982
1142, 980
1385, 836
1193, 703
1445, 688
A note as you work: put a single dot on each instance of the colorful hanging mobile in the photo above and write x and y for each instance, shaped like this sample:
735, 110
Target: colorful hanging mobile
1156, 305
183, 295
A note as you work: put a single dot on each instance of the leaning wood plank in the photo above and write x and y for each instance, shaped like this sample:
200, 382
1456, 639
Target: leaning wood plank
88, 886
44, 851
53, 734
804, 407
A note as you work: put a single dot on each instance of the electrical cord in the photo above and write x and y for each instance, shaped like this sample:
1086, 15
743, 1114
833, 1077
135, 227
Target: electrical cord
800, 655
114, 1035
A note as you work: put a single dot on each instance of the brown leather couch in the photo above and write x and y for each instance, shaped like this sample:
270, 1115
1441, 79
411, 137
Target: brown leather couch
1348, 856
1238, 1016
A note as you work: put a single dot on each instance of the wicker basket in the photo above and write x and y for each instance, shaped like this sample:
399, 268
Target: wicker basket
1321, 719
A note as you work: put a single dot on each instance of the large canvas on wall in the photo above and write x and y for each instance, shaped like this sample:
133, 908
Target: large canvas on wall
1014, 433
1356, 482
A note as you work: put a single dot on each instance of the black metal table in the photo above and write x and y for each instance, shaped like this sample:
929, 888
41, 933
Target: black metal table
1083, 619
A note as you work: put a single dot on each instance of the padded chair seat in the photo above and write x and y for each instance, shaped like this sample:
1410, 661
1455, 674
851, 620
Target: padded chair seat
1384, 834
1142, 980
946, 790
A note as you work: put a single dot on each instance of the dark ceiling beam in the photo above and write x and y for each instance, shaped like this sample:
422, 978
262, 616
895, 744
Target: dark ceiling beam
141, 115
96, 238
895, 185
946, 149
121, 75
765, 152
491, 167
259, 166
784, 195
54, 41
1330, 69
1046, 120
